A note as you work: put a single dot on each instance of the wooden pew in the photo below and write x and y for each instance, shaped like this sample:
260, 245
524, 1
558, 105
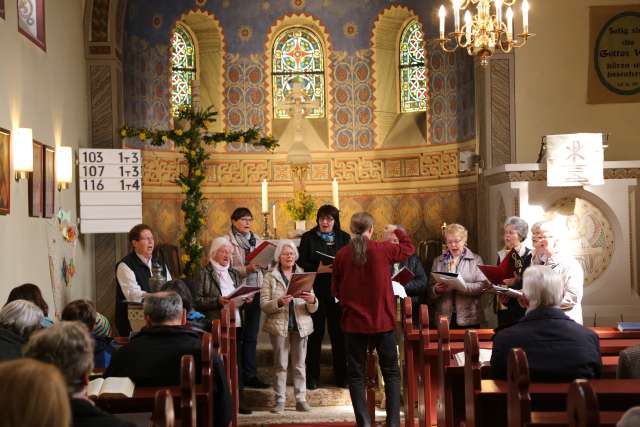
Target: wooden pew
582, 401
412, 374
163, 415
188, 417
229, 354
486, 400
143, 399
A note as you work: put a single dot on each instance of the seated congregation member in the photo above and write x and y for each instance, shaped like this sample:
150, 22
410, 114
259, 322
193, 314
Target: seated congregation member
629, 363
244, 241
288, 323
18, 320
216, 280
557, 348
515, 232
33, 393
195, 319
31, 292
102, 328
417, 287
462, 307
69, 347
631, 418
326, 237
85, 312
362, 284
133, 273
152, 356
548, 250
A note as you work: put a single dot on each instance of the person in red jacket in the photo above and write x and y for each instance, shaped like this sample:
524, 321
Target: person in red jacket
362, 285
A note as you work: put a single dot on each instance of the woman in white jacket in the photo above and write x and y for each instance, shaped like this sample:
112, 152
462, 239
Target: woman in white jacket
288, 323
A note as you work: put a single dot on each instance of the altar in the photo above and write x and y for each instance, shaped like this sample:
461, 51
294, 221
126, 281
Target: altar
601, 222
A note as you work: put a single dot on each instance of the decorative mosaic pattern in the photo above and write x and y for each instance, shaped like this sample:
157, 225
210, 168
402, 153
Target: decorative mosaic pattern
413, 73
590, 238
183, 67
353, 101
146, 84
244, 96
452, 95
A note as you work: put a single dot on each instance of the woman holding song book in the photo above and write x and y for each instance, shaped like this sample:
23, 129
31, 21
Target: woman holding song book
288, 323
462, 304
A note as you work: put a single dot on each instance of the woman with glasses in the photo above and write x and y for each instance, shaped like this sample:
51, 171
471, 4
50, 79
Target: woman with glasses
288, 323
243, 241
325, 238
462, 307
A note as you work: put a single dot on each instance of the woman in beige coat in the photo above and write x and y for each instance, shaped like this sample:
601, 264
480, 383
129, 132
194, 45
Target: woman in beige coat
288, 323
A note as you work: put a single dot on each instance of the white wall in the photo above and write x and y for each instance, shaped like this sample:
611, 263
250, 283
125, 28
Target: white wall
551, 83
46, 91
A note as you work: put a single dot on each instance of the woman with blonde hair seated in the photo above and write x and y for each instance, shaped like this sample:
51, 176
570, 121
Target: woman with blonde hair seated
288, 324
33, 393
461, 306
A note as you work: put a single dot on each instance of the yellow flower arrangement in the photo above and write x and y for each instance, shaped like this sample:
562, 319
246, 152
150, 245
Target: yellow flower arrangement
178, 132
142, 136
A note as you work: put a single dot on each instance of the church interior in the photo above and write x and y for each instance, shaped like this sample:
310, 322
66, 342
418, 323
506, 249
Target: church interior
358, 104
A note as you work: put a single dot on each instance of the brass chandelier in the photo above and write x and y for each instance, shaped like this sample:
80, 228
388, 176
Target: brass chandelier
484, 33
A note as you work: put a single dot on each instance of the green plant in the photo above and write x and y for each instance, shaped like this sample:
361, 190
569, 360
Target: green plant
302, 206
191, 137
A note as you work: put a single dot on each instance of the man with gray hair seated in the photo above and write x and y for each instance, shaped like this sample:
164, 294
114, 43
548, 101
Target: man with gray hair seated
558, 349
152, 357
631, 418
69, 347
18, 320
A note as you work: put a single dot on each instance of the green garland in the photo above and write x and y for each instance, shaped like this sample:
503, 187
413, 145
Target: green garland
191, 140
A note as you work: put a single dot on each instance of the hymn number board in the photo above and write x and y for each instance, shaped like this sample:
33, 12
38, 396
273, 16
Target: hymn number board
110, 190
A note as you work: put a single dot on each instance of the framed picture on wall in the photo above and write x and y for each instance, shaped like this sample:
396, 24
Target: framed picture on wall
31, 21
5, 172
36, 181
49, 181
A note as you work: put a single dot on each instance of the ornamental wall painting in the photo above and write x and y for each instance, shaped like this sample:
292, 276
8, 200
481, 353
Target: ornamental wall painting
36, 182
31, 21
5, 174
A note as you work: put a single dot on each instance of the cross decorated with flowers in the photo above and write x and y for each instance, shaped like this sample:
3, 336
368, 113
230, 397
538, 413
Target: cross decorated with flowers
191, 137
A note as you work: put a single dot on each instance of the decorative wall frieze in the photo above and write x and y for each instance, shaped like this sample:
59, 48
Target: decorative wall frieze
541, 175
238, 170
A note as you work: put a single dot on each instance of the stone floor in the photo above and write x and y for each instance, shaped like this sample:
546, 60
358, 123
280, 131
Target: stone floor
318, 415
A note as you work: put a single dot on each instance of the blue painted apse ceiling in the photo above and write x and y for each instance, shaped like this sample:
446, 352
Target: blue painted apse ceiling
245, 25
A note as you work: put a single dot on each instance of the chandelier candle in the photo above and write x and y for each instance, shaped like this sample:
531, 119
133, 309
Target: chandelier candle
485, 31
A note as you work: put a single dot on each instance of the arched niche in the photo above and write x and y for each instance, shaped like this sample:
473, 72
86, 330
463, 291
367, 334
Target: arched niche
394, 129
208, 37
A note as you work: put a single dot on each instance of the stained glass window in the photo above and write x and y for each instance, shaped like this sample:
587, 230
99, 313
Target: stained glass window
413, 74
183, 67
298, 56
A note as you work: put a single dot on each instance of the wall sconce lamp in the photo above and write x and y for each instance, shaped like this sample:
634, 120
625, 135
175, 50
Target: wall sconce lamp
64, 167
22, 152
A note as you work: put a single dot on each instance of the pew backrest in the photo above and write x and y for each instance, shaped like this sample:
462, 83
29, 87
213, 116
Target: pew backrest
187, 392
163, 414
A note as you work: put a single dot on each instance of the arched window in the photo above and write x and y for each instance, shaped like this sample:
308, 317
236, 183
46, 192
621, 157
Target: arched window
413, 78
298, 55
183, 67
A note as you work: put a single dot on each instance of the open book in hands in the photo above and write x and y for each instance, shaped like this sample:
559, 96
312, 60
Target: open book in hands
503, 290
454, 281
511, 265
242, 292
262, 255
111, 387
403, 276
301, 282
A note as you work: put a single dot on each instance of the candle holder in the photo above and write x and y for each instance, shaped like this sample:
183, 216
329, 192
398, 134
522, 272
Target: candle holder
265, 231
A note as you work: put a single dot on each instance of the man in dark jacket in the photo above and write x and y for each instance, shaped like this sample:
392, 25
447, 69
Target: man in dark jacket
416, 288
326, 238
152, 357
69, 347
18, 319
558, 349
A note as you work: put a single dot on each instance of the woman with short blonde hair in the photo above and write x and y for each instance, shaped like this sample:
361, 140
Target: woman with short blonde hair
33, 393
462, 307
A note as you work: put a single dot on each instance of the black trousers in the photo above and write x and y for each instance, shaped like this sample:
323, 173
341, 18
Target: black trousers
250, 329
385, 345
329, 311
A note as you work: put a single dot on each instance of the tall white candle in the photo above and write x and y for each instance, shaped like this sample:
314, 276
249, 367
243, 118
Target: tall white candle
275, 223
336, 196
442, 13
456, 14
509, 24
525, 16
498, 13
468, 24
265, 196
